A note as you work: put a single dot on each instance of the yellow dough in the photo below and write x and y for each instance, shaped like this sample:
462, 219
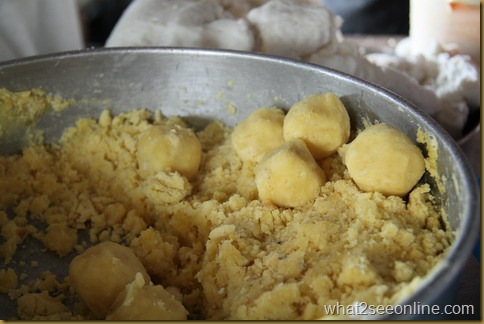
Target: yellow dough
210, 242
320, 120
289, 176
166, 187
382, 158
258, 134
168, 148
100, 273
140, 301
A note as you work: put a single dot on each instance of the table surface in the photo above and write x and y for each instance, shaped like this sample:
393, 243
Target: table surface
469, 287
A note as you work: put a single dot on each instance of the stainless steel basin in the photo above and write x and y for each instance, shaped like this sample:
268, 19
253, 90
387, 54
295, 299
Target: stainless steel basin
205, 84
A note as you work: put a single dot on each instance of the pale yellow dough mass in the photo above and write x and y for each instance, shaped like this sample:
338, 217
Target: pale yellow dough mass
168, 148
321, 121
100, 273
209, 241
144, 301
289, 176
382, 158
258, 134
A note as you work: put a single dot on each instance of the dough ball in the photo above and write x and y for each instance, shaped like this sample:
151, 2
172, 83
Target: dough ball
140, 301
289, 176
168, 148
321, 121
100, 273
258, 134
382, 158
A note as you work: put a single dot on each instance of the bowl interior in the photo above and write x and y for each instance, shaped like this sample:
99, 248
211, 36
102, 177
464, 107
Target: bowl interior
201, 85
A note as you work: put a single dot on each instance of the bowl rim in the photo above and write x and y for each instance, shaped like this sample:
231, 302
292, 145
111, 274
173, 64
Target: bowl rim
449, 268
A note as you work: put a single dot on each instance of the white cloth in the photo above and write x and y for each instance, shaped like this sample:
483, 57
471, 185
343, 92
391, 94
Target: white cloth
189, 23
454, 79
33, 27
302, 29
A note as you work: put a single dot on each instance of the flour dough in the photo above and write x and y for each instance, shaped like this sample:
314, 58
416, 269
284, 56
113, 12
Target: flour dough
100, 273
168, 148
321, 121
383, 159
258, 134
289, 176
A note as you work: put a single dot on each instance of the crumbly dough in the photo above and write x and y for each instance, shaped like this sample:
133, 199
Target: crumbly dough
8, 280
288, 176
23, 108
143, 301
258, 134
166, 187
382, 158
36, 305
321, 121
100, 273
220, 250
60, 238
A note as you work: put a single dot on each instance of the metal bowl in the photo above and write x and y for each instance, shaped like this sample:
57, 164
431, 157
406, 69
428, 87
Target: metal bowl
205, 84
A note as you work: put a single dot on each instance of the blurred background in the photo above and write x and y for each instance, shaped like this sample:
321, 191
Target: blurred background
88, 23
376, 17
98, 19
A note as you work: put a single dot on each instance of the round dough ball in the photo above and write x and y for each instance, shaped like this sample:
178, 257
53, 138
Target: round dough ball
288, 176
383, 159
100, 273
144, 302
258, 134
321, 121
168, 148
